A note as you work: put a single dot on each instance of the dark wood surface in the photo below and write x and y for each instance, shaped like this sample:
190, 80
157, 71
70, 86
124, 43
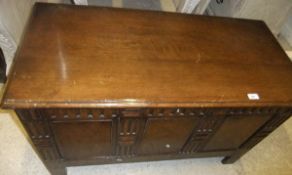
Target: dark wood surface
81, 136
83, 140
101, 85
74, 56
166, 135
2, 67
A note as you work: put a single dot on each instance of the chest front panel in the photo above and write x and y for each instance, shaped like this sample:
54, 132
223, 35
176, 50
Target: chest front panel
84, 134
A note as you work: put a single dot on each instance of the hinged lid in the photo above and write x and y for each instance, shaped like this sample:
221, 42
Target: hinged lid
73, 56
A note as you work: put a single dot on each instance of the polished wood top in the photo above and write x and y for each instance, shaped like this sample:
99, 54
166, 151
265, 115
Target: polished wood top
76, 56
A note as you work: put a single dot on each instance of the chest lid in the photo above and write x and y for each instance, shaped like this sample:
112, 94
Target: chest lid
75, 56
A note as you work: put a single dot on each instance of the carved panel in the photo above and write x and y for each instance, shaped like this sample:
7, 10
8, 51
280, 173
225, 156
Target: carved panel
212, 119
129, 126
166, 135
252, 111
79, 140
29, 115
182, 112
34, 123
48, 153
129, 133
204, 130
80, 114
39, 131
280, 116
46, 149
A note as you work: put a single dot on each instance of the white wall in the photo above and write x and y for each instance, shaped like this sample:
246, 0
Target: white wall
13, 18
274, 13
287, 28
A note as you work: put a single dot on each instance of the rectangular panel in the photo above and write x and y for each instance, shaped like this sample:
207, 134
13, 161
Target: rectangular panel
83, 140
166, 135
234, 131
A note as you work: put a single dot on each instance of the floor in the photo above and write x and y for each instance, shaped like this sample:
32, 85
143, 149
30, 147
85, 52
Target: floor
272, 156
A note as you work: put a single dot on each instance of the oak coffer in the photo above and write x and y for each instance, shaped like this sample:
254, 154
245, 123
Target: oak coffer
95, 85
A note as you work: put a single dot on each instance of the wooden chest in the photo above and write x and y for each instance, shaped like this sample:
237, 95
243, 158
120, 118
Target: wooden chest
101, 85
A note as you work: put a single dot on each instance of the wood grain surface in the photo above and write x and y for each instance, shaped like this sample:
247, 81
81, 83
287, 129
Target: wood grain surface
74, 56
